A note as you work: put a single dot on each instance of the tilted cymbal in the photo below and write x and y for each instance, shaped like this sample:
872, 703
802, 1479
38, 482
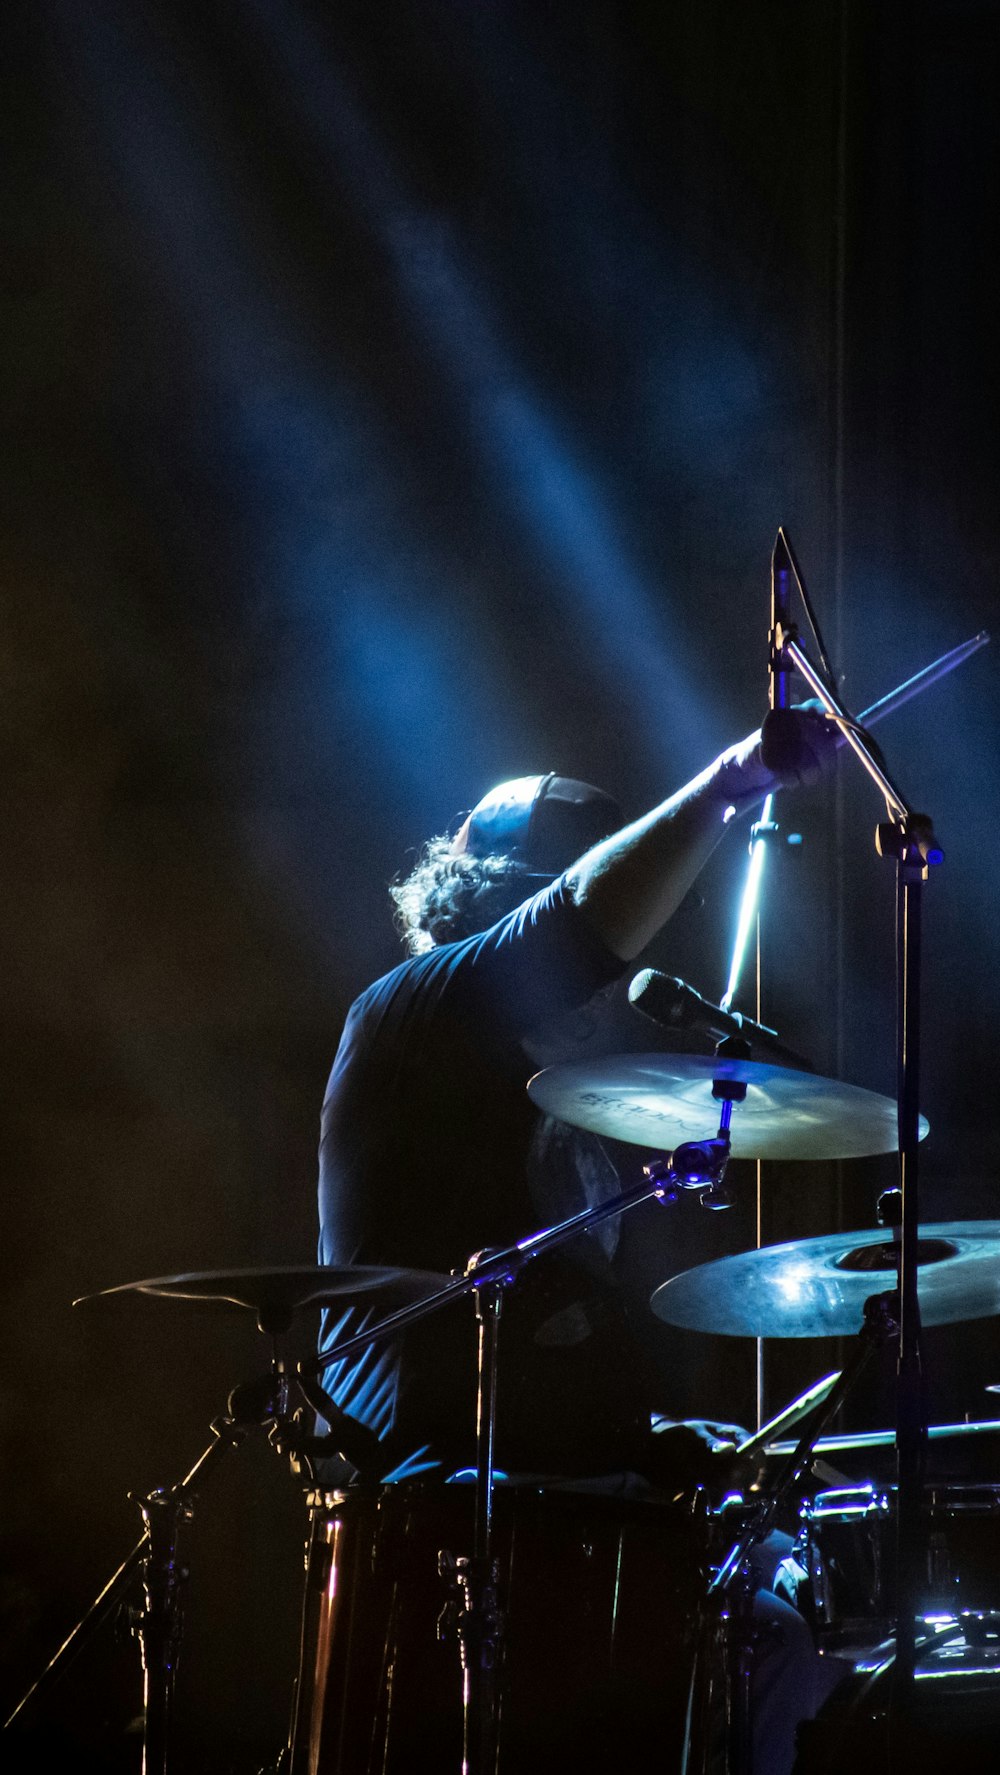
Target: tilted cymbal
661, 1100
818, 1287
275, 1295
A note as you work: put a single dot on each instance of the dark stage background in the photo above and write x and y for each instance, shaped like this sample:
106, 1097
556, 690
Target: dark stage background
399, 398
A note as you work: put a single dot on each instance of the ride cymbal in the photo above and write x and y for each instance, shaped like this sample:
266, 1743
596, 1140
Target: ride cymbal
818, 1287
661, 1100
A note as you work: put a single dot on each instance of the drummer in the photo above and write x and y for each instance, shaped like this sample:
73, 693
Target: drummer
432, 1151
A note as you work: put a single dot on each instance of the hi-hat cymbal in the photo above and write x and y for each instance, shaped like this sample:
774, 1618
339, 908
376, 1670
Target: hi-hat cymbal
818, 1287
661, 1100
275, 1295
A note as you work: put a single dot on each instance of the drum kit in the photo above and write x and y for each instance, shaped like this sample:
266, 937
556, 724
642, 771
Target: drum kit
498, 1629
581, 1623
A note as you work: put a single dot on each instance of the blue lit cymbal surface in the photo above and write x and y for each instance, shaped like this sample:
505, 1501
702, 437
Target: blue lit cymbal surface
661, 1100
818, 1287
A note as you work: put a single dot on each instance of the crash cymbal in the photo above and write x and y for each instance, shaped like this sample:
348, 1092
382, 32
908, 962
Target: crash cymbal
818, 1287
662, 1100
275, 1295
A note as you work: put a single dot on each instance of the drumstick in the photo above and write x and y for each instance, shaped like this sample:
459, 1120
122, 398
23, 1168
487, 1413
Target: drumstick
879, 1438
921, 680
792, 1414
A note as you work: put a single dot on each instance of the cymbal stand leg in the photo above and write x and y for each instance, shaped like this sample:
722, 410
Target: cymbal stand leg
158, 1630
741, 1634
722, 1666
697, 1748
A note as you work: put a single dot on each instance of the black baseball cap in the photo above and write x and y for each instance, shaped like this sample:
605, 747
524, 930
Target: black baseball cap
543, 822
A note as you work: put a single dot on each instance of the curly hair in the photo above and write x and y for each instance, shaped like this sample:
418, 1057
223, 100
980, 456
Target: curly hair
445, 897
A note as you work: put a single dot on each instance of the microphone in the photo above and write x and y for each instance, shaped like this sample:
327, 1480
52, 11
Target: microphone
781, 569
794, 753
675, 1005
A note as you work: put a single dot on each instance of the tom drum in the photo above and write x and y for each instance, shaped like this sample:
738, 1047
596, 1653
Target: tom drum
598, 1598
847, 1546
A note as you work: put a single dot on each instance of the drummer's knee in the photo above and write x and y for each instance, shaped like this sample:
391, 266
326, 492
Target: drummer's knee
782, 1628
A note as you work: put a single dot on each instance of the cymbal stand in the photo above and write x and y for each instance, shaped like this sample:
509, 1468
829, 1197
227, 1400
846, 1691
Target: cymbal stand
727, 1608
155, 1559
479, 1620
158, 1628
698, 1165
909, 839
695, 1165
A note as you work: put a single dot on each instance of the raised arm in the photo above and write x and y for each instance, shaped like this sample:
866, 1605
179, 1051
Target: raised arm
630, 885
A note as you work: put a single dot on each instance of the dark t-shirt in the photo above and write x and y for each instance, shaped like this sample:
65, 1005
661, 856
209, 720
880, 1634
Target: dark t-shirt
431, 1151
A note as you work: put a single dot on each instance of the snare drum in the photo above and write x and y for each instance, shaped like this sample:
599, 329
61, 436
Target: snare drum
598, 1599
847, 1547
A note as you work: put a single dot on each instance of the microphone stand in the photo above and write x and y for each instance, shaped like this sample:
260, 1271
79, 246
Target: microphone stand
765, 830
908, 838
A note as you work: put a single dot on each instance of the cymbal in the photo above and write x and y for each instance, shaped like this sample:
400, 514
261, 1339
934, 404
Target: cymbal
275, 1295
818, 1287
662, 1100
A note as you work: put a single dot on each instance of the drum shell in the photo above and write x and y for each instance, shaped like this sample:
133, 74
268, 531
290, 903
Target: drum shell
598, 1600
847, 1546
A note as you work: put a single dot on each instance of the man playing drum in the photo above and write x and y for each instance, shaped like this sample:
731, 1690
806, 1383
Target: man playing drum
432, 1151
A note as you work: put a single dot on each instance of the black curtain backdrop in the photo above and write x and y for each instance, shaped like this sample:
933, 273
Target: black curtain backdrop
399, 398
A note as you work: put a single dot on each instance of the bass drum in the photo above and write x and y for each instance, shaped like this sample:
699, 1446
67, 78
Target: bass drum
953, 1717
598, 1602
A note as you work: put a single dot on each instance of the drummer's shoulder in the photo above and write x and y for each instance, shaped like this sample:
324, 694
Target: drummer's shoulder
373, 1030
408, 979
533, 947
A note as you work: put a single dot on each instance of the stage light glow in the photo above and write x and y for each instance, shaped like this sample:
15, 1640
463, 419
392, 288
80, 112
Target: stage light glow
276, 424
532, 466
748, 904
791, 1281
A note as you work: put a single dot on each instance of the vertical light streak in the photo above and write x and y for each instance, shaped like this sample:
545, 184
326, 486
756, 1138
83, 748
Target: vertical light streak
748, 905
